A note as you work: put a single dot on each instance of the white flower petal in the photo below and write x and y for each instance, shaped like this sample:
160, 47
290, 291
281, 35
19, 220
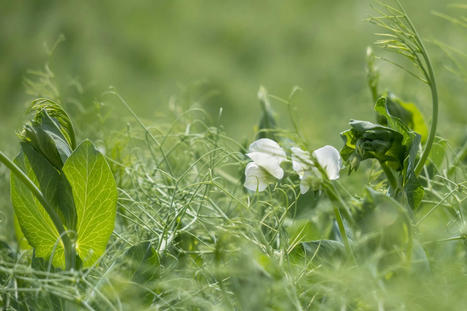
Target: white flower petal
256, 179
330, 160
301, 161
268, 163
304, 186
267, 154
269, 146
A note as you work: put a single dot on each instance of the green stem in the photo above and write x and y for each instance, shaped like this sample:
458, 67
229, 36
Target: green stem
434, 121
390, 176
434, 95
345, 239
38, 194
335, 197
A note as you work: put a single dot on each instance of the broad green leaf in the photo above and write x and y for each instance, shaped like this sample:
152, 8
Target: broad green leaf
53, 185
35, 222
95, 196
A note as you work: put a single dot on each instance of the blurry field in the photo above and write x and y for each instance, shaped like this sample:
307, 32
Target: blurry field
213, 52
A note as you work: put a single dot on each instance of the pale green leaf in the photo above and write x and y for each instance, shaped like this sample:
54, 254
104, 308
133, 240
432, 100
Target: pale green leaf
22, 241
95, 196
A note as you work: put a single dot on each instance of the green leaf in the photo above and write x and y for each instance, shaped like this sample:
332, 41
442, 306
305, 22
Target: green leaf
47, 138
302, 230
438, 152
53, 185
35, 222
43, 143
141, 262
405, 112
22, 241
411, 183
365, 140
95, 196
414, 191
52, 128
56, 112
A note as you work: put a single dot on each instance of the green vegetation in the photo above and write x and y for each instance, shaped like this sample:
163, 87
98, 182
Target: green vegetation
214, 204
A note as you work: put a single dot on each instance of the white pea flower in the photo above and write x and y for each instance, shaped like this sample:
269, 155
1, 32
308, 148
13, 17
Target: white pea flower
267, 157
301, 161
328, 158
256, 178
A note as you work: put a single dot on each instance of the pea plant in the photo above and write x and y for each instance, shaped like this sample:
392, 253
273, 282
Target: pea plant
399, 140
204, 221
64, 195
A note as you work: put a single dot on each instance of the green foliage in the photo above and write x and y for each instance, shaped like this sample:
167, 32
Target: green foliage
76, 183
35, 222
95, 197
302, 230
366, 140
406, 113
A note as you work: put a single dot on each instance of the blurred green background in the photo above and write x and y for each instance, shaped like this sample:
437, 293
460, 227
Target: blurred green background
218, 53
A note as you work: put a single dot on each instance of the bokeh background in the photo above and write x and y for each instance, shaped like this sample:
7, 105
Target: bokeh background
217, 53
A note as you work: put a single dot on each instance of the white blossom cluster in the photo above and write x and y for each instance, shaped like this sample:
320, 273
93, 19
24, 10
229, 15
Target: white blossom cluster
267, 156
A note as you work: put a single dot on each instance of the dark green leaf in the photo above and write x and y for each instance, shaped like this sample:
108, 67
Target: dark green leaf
47, 138
53, 184
35, 222
405, 112
56, 112
365, 140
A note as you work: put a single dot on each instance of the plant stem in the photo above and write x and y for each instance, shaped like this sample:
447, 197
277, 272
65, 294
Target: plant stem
345, 239
434, 95
390, 176
434, 121
335, 197
69, 254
